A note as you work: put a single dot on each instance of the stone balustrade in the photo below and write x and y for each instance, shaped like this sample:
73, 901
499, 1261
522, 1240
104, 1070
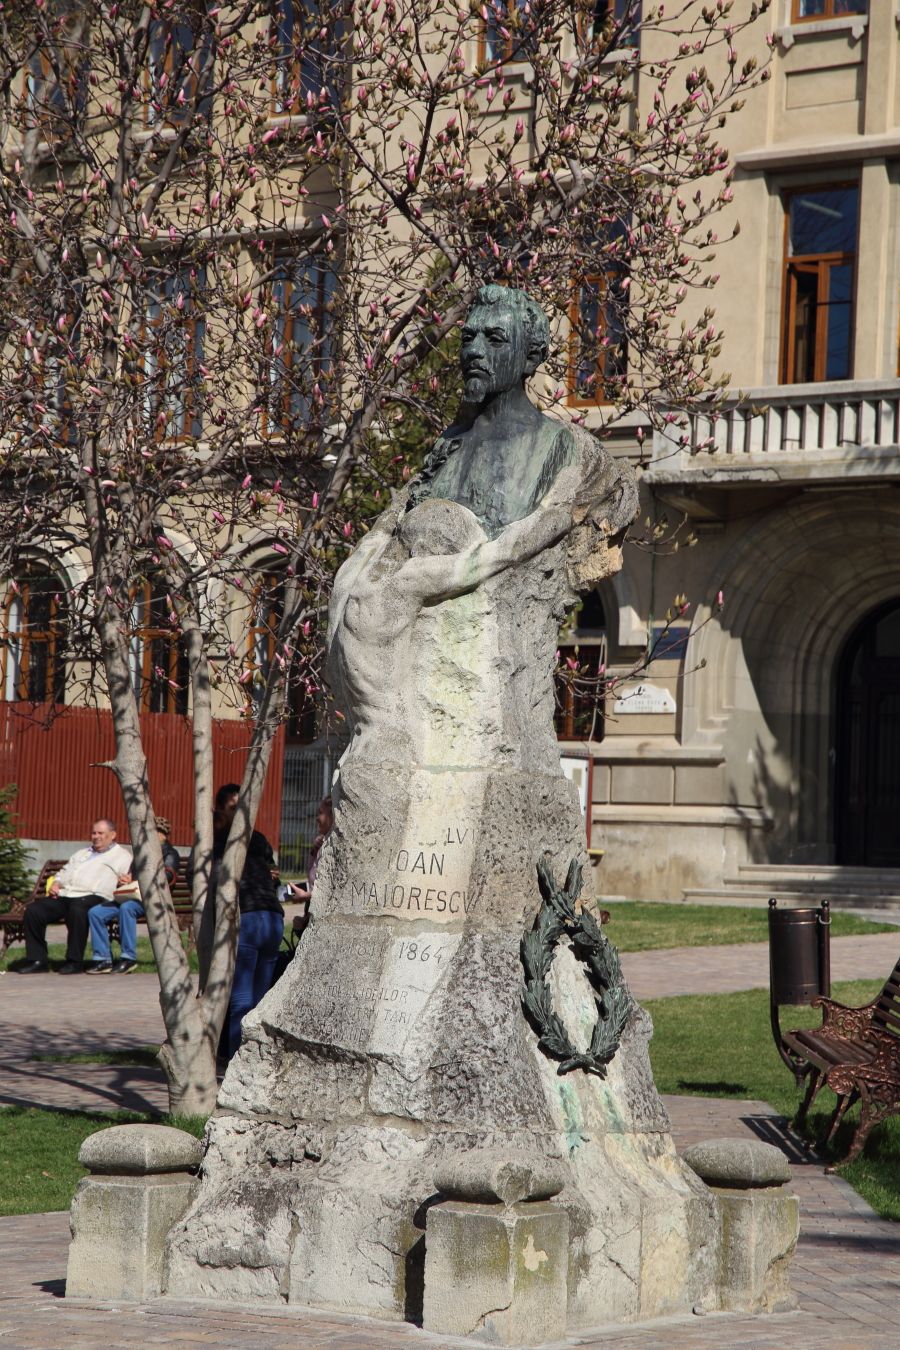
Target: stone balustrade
786, 433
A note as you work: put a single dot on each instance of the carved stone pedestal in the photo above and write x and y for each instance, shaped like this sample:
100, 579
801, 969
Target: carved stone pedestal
396, 1044
142, 1181
760, 1223
497, 1252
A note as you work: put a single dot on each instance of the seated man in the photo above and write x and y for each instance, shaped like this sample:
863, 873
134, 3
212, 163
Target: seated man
128, 910
89, 878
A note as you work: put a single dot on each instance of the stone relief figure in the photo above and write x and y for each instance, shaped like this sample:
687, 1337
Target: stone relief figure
395, 1044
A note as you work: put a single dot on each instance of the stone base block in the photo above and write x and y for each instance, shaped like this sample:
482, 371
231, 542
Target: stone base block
499, 1274
759, 1222
759, 1233
141, 1185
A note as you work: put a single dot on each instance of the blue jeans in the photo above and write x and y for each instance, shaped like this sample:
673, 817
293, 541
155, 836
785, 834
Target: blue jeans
100, 917
259, 938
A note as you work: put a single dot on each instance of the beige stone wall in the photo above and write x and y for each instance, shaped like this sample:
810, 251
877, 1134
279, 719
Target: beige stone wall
743, 772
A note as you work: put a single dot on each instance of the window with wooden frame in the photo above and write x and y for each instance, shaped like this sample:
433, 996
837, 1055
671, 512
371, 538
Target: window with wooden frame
826, 9
598, 346
613, 22
581, 675
159, 662
49, 414
55, 91
309, 41
268, 607
299, 367
177, 56
173, 351
819, 283
33, 640
507, 31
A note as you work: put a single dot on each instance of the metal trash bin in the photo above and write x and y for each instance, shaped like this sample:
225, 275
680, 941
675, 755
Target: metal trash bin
799, 965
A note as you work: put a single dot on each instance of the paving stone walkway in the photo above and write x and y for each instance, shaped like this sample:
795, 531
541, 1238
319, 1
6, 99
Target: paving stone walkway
745, 965
846, 1273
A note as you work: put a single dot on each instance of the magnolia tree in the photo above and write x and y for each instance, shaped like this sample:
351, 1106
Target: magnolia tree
235, 242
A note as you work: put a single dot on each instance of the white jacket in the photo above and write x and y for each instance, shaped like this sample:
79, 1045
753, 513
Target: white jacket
91, 873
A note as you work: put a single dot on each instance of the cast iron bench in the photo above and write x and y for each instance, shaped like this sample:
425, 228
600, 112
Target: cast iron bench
12, 923
856, 1052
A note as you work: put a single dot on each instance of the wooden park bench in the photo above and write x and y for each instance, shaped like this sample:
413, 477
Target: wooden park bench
12, 923
856, 1052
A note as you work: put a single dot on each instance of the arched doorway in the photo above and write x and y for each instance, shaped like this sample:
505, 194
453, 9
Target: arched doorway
867, 765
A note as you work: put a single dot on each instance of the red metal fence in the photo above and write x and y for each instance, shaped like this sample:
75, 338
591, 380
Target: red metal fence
60, 793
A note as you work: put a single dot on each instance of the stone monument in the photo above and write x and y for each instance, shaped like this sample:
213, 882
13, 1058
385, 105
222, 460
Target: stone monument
397, 1044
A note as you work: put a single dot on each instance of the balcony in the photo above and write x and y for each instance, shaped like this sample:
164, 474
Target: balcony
794, 435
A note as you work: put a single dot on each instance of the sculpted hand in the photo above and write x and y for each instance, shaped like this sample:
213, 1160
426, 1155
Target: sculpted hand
608, 500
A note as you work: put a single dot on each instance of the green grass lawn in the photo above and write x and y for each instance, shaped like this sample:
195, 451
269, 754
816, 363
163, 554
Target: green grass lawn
720, 1045
640, 926
146, 964
634, 926
713, 1045
39, 1167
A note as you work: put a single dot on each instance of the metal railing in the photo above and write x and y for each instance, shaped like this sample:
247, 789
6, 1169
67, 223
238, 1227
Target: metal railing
308, 774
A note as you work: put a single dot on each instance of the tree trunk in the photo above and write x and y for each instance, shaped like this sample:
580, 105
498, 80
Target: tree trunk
201, 736
188, 1056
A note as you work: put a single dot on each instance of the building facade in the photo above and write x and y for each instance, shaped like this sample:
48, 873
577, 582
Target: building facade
756, 750
759, 756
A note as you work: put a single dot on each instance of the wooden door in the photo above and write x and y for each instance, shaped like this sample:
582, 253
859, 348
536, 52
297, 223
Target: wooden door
867, 767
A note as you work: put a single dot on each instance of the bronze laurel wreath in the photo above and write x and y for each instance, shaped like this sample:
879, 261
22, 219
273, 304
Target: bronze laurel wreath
557, 918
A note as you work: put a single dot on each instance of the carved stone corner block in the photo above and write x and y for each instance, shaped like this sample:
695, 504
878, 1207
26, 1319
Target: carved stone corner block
759, 1222
141, 1183
497, 1272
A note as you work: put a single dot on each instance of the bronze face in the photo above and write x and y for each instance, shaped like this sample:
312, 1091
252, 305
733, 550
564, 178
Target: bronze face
494, 352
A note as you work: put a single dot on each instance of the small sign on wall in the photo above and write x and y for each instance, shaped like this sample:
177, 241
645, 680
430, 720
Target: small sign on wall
579, 770
644, 698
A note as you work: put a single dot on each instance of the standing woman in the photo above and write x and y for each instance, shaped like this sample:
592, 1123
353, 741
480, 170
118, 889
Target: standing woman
324, 825
261, 923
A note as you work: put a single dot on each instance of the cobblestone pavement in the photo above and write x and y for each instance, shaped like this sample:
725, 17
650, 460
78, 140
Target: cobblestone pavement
846, 1276
54, 1015
719, 970
846, 1273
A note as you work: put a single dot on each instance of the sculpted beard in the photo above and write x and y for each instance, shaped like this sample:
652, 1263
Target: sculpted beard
476, 387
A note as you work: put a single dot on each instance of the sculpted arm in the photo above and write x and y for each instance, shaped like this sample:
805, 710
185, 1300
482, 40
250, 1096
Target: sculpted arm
447, 575
372, 543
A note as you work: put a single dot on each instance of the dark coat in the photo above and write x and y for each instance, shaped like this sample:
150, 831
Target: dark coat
258, 888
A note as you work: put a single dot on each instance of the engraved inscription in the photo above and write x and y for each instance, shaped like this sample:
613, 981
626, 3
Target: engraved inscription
416, 879
429, 863
385, 1017
422, 899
